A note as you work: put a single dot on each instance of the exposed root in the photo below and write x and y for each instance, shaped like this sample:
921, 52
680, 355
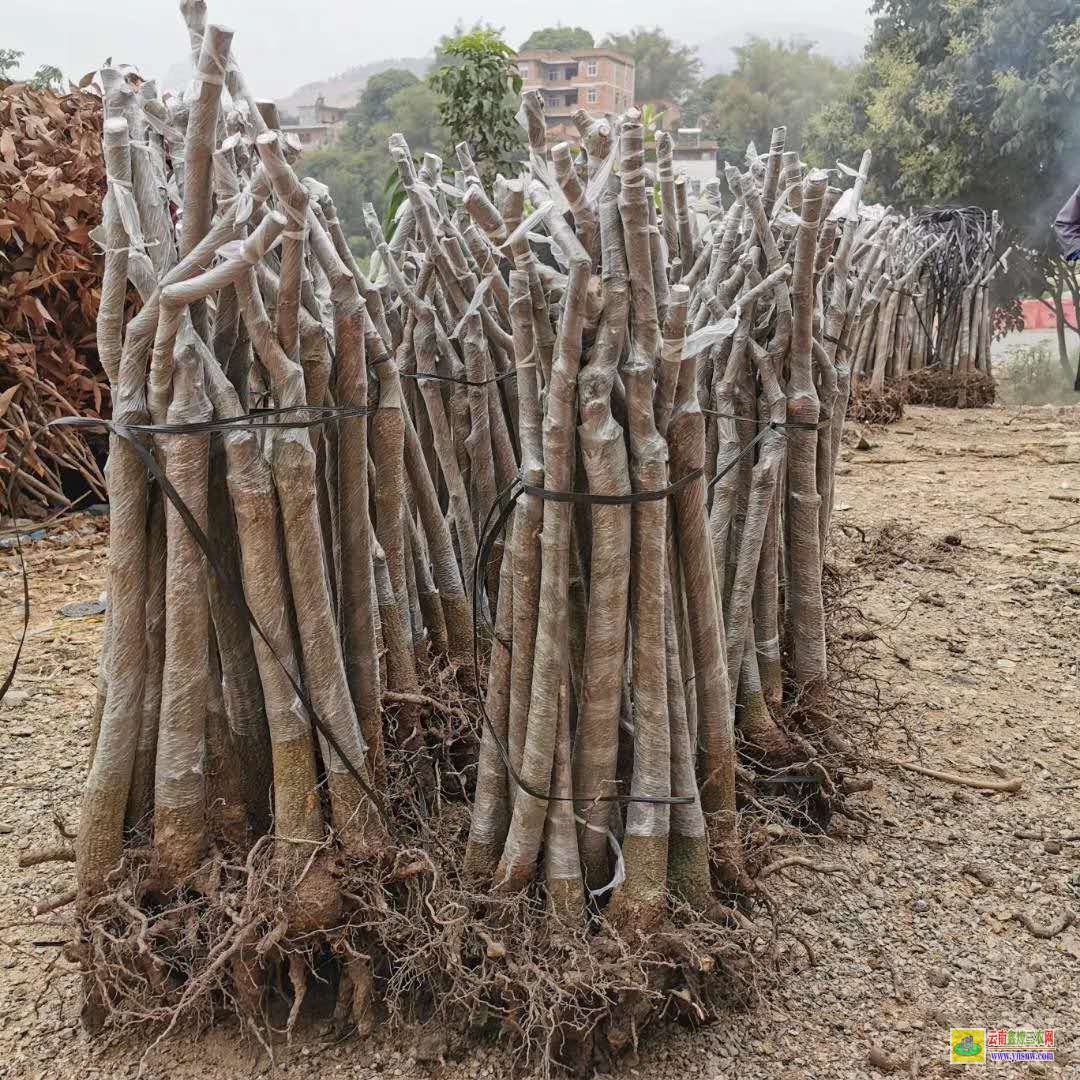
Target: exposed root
53, 903
358, 992
795, 762
298, 977
418, 947
884, 1062
865, 407
949, 389
47, 855
799, 860
811, 956
981, 783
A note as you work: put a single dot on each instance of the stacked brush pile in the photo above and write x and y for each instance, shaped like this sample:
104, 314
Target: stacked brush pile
456, 614
926, 338
52, 180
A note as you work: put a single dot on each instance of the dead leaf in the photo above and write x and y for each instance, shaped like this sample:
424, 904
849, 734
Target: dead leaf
6, 398
7, 147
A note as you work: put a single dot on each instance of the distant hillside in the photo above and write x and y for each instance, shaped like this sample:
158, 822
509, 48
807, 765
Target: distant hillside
715, 53
345, 89
843, 46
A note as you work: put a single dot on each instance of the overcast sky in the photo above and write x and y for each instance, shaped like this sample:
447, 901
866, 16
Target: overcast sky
283, 43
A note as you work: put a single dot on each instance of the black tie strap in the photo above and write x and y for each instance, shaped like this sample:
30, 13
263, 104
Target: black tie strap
135, 436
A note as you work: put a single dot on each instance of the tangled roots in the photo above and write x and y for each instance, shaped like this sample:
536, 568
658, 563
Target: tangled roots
416, 946
949, 389
865, 407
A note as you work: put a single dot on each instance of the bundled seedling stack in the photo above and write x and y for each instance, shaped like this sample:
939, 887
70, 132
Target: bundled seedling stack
930, 321
615, 461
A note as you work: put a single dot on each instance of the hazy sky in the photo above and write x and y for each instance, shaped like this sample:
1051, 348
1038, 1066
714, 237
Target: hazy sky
283, 43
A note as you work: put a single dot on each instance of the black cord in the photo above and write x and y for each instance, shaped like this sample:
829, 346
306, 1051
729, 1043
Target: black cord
420, 375
795, 425
493, 527
611, 500
497, 517
130, 433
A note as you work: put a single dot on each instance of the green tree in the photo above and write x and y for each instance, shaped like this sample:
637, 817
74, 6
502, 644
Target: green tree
971, 103
772, 83
696, 104
443, 57
567, 39
9, 62
414, 111
663, 69
358, 169
373, 106
48, 77
354, 176
479, 98
968, 102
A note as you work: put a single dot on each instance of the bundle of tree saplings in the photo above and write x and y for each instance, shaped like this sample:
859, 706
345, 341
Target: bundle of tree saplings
931, 327
455, 615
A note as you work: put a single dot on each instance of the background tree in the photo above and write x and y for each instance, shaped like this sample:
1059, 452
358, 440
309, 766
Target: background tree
472, 96
9, 62
48, 77
664, 70
698, 102
558, 38
414, 111
479, 99
357, 168
445, 58
356, 175
773, 82
373, 106
970, 104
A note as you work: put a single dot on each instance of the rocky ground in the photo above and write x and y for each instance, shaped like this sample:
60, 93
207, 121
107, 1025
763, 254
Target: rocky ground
959, 542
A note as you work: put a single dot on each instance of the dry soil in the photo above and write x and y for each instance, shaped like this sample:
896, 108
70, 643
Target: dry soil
959, 541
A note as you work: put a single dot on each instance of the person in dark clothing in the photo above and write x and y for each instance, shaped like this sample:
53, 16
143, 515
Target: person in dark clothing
1067, 227
1067, 231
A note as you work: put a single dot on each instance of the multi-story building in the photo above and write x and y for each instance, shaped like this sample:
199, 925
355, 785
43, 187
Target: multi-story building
318, 125
596, 80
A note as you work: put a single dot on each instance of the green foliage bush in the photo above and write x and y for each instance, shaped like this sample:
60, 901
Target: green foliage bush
1032, 375
478, 99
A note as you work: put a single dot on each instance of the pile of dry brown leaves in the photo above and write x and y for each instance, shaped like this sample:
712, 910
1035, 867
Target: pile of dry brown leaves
52, 180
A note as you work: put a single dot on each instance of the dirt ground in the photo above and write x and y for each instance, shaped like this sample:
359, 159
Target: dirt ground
960, 532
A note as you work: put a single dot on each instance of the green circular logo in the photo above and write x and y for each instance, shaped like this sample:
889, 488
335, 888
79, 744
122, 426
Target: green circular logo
967, 1048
